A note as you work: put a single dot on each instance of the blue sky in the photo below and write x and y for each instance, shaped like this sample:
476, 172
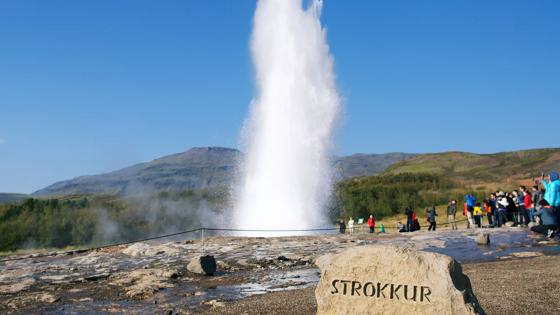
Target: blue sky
92, 86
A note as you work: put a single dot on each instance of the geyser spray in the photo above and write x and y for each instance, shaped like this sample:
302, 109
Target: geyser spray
287, 175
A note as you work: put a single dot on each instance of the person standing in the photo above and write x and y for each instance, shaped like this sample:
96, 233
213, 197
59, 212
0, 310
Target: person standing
470, 201
432, 218
494, 203
489, 211
351, 225
371, 223
409, 222
522, 213
536, 196
451, 212
552, 193
518, 199
511, 209
477, 214
502, 204
341, 226
527, 205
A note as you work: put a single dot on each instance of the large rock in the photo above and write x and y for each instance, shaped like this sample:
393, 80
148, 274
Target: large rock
393, 280
482, 238
205, 265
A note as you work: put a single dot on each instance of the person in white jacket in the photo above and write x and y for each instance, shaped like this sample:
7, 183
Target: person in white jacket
351, 225
502, 208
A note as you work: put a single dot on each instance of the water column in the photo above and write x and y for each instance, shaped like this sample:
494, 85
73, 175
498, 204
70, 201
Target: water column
286, 176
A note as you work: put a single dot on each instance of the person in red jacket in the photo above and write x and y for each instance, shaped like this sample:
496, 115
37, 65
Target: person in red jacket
371, 223
415, 223
528, 202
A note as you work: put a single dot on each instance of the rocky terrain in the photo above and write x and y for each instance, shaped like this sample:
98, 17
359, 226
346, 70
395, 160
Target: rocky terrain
153, 277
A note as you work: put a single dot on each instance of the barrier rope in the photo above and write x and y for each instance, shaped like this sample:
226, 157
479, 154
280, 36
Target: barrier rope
257, 230
83, 250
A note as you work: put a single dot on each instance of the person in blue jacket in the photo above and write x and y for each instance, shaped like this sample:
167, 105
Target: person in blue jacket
470, 200
552, 192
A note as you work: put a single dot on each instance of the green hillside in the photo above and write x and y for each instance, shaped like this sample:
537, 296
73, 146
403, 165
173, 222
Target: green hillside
499, 169
434, 179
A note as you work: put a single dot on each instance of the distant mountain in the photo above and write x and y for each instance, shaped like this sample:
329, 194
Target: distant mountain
4, 197
197, 168
367, 164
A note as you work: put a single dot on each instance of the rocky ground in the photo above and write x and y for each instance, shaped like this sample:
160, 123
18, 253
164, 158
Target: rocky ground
516, 273
513, 286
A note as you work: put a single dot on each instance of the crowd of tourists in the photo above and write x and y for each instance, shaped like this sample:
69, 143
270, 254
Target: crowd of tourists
537, 208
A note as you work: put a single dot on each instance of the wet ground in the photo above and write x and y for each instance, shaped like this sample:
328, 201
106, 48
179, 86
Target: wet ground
152, 277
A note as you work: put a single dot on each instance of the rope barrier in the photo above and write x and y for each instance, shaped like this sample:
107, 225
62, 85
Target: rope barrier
202, 229
257, 230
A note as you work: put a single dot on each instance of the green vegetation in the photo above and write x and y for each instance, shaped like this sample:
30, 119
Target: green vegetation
84, 220
387, 195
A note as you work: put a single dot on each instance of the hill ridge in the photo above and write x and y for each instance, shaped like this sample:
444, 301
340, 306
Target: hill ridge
196, 168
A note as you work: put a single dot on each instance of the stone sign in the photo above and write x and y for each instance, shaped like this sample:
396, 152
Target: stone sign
393, 280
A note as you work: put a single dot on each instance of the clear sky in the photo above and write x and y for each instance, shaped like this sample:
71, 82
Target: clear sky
92, 86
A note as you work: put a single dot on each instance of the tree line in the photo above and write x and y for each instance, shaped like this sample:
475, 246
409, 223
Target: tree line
98, 220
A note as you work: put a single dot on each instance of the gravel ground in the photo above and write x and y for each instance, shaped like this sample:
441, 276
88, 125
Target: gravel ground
517, 286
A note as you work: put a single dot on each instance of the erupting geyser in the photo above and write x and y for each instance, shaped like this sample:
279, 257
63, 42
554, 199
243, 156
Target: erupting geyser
287, 175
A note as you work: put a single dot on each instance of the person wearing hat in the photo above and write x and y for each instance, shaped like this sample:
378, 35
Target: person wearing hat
552, 192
